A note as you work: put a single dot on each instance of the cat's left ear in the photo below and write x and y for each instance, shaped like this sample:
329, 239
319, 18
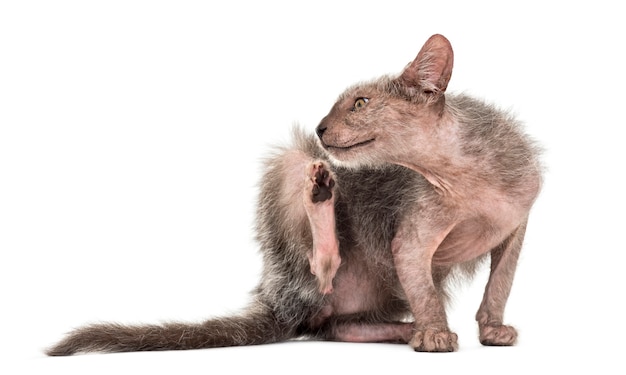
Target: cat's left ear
431, 70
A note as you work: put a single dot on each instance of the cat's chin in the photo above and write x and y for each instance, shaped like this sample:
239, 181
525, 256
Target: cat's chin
336, 149
353, 158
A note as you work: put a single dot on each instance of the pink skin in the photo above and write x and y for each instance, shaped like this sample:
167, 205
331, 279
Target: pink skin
319, 204
382, 332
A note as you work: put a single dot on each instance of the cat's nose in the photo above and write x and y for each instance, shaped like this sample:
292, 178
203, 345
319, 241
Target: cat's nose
321, 128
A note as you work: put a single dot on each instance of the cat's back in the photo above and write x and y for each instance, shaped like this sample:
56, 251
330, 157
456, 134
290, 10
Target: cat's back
496, 139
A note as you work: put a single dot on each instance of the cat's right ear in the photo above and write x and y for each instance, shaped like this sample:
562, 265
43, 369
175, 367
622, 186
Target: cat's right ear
431, 70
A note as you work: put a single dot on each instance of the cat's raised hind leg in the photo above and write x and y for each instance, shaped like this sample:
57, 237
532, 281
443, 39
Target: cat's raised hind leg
319, 204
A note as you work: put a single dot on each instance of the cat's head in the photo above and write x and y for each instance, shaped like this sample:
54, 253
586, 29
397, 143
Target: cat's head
370, 123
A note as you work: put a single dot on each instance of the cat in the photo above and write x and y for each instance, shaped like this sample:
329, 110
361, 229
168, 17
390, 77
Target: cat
362, 225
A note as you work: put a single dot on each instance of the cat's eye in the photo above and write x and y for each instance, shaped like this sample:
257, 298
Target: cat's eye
360, 103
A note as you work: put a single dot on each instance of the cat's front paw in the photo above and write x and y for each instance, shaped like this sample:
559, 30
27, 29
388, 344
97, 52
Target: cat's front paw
497, 335
430, 340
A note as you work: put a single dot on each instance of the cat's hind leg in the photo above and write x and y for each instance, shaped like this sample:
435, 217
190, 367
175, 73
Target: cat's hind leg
361, 328
319, 204
400, 332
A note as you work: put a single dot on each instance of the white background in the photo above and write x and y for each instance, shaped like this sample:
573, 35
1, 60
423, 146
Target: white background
131, 134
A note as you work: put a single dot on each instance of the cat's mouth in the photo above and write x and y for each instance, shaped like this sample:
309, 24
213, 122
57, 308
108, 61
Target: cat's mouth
348, 147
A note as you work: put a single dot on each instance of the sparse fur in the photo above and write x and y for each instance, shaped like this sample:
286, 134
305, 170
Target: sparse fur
356, 245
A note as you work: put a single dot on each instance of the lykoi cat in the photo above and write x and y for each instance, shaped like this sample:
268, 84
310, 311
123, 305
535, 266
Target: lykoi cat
362, 225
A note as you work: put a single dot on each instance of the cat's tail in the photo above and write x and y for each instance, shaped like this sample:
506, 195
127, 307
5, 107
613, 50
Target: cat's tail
257, 325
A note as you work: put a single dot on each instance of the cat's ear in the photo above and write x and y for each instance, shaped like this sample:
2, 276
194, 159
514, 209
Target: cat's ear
431, 70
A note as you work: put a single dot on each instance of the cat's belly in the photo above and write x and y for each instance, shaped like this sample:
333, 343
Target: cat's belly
360, 288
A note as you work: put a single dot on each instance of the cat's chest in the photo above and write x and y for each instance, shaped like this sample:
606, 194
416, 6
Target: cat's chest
483, 225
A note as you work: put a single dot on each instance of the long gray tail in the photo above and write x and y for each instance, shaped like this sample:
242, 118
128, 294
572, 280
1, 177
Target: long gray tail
257, 325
